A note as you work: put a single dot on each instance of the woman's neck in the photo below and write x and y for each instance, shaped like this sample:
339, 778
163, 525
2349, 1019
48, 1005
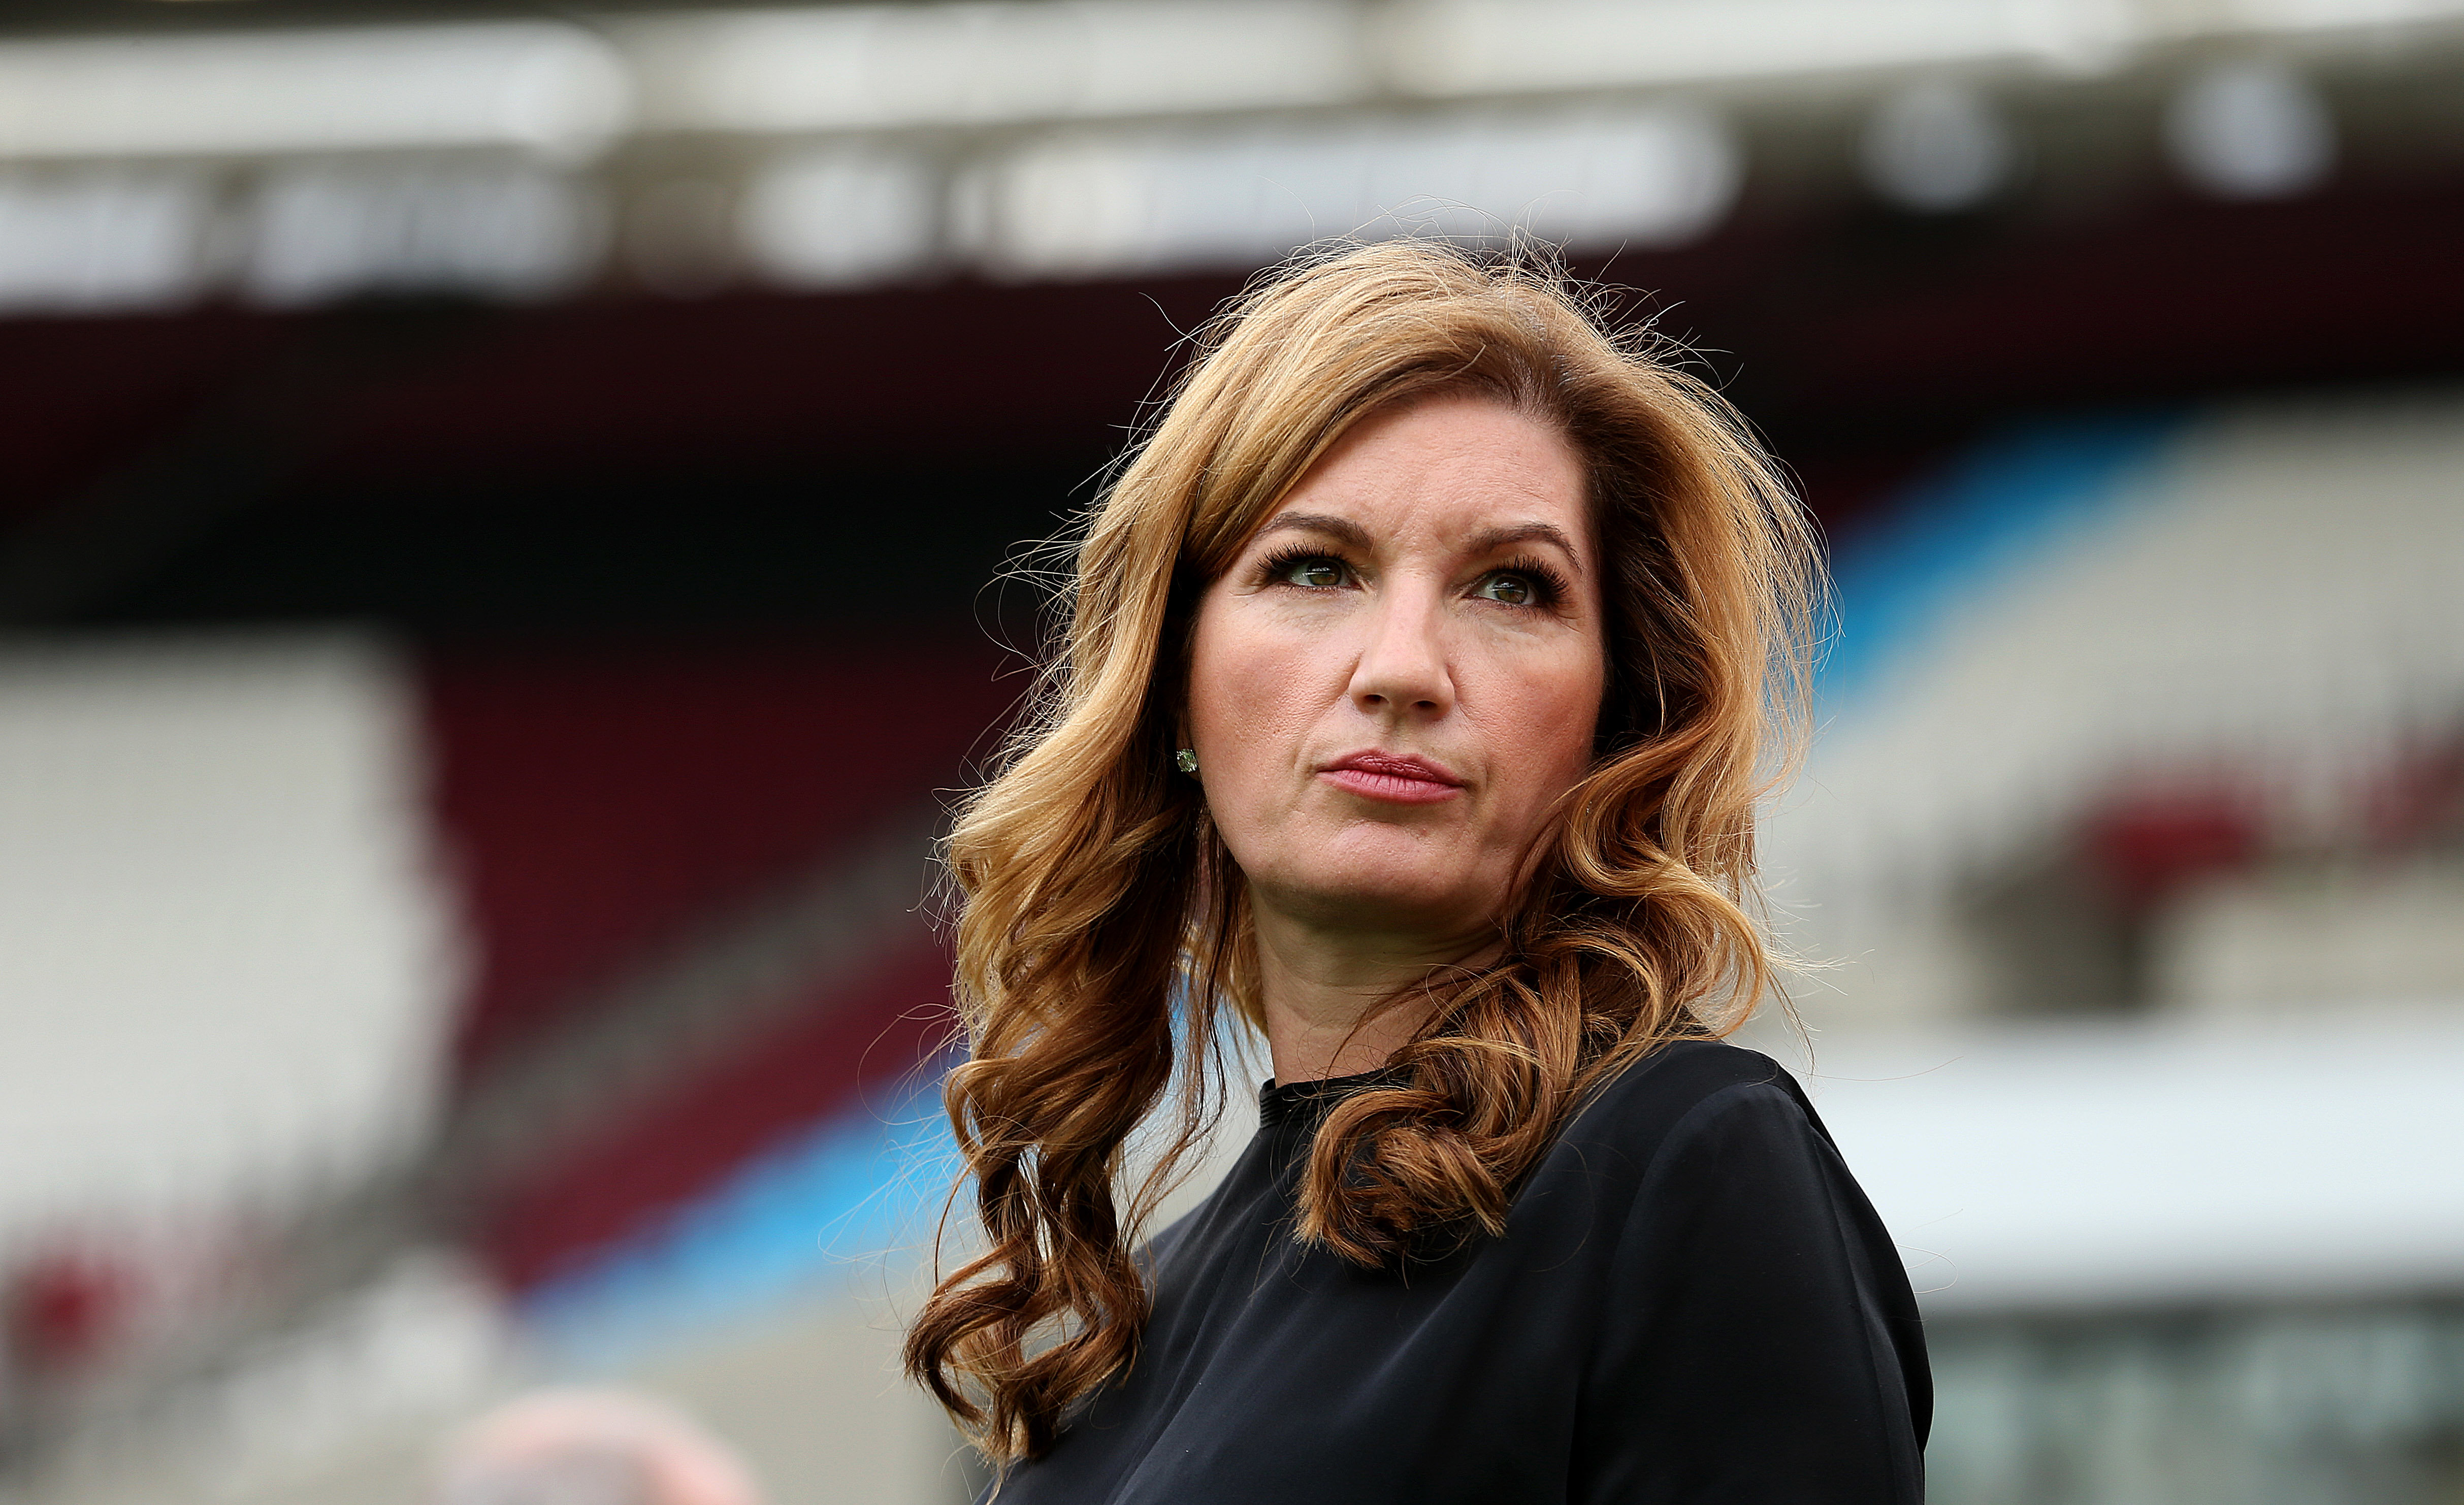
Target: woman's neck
1326, 990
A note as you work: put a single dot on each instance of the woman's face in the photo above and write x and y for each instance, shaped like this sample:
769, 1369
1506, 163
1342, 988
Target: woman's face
1402, 670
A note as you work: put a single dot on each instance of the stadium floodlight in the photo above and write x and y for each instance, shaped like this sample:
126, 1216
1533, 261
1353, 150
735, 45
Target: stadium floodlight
1937, 147
2251, 130
840, 217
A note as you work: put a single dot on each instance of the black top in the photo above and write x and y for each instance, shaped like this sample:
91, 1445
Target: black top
1692, 1301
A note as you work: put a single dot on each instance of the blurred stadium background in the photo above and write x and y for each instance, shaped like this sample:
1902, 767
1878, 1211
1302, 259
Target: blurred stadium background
494, 554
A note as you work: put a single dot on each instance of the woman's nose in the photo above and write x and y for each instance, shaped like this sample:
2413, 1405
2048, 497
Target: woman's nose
1403, 665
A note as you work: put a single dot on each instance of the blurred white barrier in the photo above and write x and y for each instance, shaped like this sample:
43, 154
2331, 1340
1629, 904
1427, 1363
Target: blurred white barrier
2275, 945
2131, 1164
531, 86
225, 964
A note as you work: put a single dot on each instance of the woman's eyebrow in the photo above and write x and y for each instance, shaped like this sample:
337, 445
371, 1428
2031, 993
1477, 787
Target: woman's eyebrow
1512, 533
1342, 529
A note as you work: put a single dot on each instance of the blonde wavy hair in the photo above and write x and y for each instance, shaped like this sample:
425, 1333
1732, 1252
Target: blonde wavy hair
1104, 929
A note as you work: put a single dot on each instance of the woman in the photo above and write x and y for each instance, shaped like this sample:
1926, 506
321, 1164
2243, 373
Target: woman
1422, 676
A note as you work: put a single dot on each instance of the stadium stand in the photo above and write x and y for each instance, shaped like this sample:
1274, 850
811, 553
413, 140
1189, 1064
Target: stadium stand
494, 565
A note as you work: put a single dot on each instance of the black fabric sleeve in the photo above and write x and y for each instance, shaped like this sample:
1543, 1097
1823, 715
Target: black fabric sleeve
1759, 1343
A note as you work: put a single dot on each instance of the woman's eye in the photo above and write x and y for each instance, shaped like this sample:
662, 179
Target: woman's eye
1319, 574
1511, 590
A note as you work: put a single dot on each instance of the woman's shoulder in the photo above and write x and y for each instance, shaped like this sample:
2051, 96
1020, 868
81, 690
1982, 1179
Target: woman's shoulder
1680, 1089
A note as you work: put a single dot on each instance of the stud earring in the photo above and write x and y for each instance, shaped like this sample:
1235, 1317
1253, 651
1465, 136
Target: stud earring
1186, 760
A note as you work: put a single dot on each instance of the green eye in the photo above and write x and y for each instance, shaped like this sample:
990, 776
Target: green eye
1318, 572
1511, 590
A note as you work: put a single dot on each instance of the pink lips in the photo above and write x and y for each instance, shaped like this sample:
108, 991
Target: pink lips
1394, 776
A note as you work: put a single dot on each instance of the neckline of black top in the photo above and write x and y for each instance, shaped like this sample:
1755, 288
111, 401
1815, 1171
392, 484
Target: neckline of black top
1307, 1101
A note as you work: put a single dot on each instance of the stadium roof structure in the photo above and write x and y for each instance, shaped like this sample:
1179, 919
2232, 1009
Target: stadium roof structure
237, 149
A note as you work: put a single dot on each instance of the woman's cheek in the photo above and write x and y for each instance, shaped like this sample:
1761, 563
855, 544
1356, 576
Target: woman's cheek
1242, 685
1551, 713
1261, 668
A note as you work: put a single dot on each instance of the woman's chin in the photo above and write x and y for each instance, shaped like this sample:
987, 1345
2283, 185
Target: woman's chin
1381, 900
